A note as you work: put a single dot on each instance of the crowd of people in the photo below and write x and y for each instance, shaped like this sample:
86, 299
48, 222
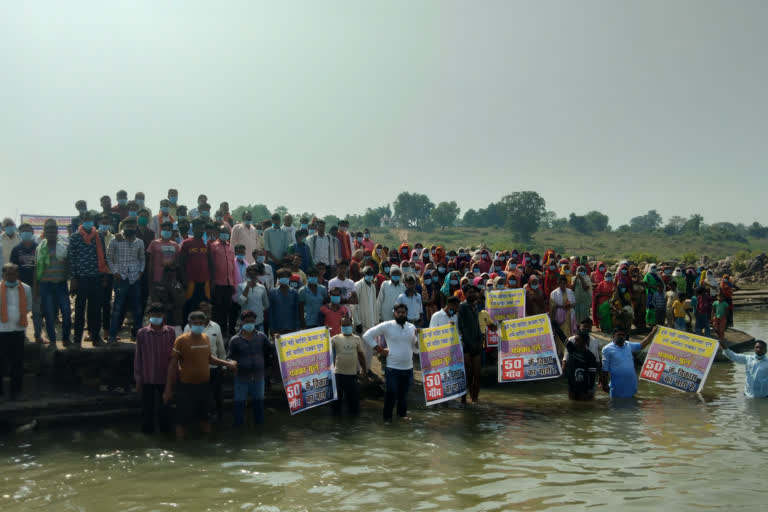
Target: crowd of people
216, 292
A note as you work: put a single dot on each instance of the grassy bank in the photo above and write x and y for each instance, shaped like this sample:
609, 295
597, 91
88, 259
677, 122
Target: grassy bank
606, 246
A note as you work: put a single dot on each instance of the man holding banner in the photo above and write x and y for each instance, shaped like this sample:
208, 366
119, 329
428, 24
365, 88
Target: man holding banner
619, 364
401, 339
472, 339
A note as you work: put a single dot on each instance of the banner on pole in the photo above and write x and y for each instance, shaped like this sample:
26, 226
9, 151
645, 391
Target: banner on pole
503, 305
307, 368
679, 360
527, 350
38, 221
442, 364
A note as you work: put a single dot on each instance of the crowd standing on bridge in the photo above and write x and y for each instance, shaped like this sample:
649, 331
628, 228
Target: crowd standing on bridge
238, 284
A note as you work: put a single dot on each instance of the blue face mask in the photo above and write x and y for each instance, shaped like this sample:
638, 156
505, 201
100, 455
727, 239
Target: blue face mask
304, 226
535, 286
369, 278
133, 214
312, 280
336, 299
87, 225
122, 202
248, 327
512, 266
476, 271
165, 209
622, 290
260, 259
284, 280
165, 234
140, 202
240, 257
582, 273
513, 282
428, 281
10, 230
454, 282
461, 254
275, 226
395, 279
156, 320
223, 237
624, 271
441, 270
181, 217
312, 231
609, 279
11, 284
173, 199
196, 329
26, 236
205, 214
500, 287
386, 270
346, 329
104, 228
248, 222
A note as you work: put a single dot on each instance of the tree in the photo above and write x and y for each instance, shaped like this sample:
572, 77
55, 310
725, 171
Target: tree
648, 222
523, 212
470, 219
331, 220
412, 210
579, 223
693, 225
259, 212
757, 231
372, 217
675, 225
445, 214
282, 211
597, 221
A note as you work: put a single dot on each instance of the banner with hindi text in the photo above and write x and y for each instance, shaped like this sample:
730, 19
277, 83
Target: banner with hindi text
679, 360
306, 365
38, 221
527, 350
442, 364
503, 305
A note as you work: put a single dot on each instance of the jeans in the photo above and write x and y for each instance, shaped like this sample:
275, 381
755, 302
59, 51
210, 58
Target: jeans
198, 296
12, 355
349, 390
222, 303
54, 298
89, 290
397, 384
37, 316
244, 388
702, 324
680, 324
153, 408
127, 297
106, 302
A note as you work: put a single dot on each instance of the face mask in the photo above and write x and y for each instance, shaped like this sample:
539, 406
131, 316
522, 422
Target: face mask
248, 222
336, 299
26, 236
87, 225
143, 221
196, 329
513, 282
395, 279
461, 254
343, 229
156, 320
122, 202
428, 281
294, 284
441, 270
104, 228
481, 286
622, 290
219, 218
609, 279
454, 282
653, 271
499, 286
11, 284
223, 237
133, 214
567, 272
624, 271
260, 259
450, 313
312, 231
512, 266
240, 257
497, 269
476, 271
346, 330
10, 230
275, 226
602, 269
366, 236
284, 280
182, 217
582, 273
165, 234
205, 214
386, 270
405, 251
312, 280
534, 287
485, 256
551, 267
165, 209
248, 327
725, 280
129, 233
368, 278
173, 199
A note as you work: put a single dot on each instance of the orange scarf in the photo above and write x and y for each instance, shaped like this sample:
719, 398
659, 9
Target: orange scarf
22, 304
88, 238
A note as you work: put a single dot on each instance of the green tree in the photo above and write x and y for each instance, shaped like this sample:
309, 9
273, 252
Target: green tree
412, 210
648, 222
693, 224
282, 211
445, 214
597, 221
331, 220
675, 225
579, 223
372, 216
523, 212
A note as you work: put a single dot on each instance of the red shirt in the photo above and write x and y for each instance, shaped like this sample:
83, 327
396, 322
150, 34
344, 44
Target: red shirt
333, 318
195, 253
346, 245
120, 210
162, 252
223, 257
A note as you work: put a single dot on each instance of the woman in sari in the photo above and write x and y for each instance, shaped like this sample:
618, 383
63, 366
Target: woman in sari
513, 281
404, 252
599, 274
621, 307
483, 261
497, 266
565, 270
378, 254
535, 300
451, 284
639, 297
727, 288
460, 293
623, 277
601, 306
439, 256
582, 289
416, 262
561, 305
551, 276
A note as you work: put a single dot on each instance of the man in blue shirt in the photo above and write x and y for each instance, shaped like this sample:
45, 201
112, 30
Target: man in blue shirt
283, 305
619, 364
756, 366
311, 299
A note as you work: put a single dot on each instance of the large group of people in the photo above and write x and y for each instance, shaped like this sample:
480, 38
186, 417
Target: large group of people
215, 293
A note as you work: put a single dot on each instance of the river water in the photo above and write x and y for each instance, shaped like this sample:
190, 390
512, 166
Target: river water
523, 447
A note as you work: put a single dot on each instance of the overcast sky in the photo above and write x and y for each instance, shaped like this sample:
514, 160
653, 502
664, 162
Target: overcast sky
335, 106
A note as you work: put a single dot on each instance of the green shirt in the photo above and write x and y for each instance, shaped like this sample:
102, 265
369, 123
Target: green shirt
720, 307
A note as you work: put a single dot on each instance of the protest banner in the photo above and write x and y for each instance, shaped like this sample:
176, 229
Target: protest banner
527, 350
307, 368
38, 221
442, 364
503, 305
679, 360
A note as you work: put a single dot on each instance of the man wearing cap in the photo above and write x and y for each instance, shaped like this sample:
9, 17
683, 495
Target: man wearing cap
401, 339
619, 364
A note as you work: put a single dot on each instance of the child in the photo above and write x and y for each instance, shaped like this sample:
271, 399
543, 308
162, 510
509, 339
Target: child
679, 311
333, 313
720, 315
348, 353
671, 297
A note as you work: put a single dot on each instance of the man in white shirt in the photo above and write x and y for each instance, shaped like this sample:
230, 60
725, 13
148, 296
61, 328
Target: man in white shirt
447, 315
402, 342
365, 312
413, 300
347, 286
253, 296
388, 294
216, 381
246, 234
265, 273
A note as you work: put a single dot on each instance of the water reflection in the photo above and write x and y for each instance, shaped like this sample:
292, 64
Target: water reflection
522, 448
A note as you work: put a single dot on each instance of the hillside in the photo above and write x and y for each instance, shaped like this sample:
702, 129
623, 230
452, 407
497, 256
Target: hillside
605, 246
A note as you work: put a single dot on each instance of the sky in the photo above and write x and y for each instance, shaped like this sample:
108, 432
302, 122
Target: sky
336, 106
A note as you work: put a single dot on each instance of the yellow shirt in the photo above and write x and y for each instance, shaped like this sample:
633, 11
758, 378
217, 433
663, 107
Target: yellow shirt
484, 319
678, 309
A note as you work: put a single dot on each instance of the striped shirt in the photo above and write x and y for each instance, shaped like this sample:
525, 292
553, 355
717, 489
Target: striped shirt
126, 258
153, 353
57, 271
